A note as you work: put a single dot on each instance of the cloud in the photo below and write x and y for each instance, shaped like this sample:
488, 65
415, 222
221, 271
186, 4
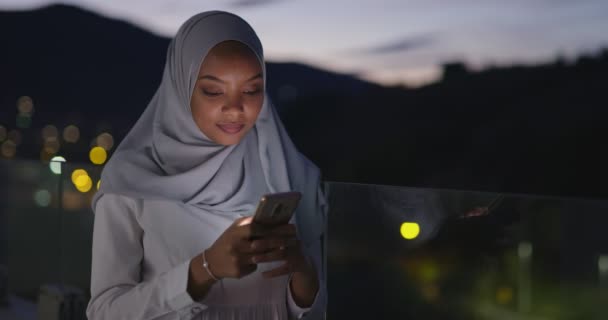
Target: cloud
399, 45
251, 3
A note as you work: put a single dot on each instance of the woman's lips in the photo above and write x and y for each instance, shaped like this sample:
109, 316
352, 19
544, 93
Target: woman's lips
231, 128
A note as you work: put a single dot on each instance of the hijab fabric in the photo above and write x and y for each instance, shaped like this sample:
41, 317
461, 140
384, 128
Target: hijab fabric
166, 156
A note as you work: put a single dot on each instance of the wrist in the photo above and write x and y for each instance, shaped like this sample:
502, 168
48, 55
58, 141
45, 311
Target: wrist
200, 276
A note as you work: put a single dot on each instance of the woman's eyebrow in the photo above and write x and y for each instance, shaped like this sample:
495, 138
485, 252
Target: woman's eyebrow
214, 78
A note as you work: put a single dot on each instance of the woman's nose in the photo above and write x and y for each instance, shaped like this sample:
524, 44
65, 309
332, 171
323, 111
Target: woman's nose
233, 105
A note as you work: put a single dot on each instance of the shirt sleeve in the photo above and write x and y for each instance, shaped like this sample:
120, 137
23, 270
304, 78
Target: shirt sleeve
295, 311
317, 251
117, 289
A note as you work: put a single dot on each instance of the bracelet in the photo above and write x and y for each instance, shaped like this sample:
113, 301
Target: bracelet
206, 266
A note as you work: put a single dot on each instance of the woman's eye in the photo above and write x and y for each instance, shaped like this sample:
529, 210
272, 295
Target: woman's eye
253, 92
212, 93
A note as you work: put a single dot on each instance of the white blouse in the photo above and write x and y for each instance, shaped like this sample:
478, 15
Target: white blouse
141, 255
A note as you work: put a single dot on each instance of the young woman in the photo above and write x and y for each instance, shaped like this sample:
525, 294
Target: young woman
173, 234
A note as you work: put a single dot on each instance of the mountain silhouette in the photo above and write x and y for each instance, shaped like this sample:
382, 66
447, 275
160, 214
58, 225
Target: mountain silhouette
83, 68
535, 129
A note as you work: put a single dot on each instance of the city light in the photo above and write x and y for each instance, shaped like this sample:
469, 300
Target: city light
49, 132
15, 137
84, 183
602, 264
105, 140
98, 155
24, 121
55, 164
71, 134
51, 145
42, 198
410, 230
504, 295
77, 173
25, 105
9, 149
524, 250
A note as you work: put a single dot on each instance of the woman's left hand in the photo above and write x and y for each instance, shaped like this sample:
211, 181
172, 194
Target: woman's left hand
304, 280
295, 261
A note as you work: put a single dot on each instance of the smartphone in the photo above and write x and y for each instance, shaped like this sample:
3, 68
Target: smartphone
276, 208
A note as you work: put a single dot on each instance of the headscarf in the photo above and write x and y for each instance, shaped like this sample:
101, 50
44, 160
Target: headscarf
166, 156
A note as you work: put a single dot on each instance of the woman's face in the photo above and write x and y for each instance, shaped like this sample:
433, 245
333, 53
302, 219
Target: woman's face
229, 93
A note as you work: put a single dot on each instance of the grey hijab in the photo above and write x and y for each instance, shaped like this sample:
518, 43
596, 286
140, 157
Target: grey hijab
166, 156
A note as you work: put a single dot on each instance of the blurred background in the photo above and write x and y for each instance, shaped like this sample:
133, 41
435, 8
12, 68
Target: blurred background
454, 102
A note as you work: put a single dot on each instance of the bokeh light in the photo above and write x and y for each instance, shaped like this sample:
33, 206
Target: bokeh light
50, 132
602, 264
410, 230
8, 149
42, 198
73, 200
98, 184
2, 133
429, 271
504, 295
52, 145
45, 156
430, 291
98, 155
71, 134
15, 136
105, 140
77, 173
524, 250
24, 121
25, 105
84, 183
55, 164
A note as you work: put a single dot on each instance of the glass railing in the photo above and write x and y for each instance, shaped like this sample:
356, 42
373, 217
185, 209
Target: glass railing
394, 252
408, 253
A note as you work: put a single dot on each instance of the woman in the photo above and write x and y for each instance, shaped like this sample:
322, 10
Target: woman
173, 234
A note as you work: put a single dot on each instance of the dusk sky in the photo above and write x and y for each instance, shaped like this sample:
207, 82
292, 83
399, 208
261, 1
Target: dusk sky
388, 41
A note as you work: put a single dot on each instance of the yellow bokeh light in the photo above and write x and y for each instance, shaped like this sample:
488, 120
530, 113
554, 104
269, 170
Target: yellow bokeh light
504, 295
410, 230
98, 155
84, 183
77, 173
98, 184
